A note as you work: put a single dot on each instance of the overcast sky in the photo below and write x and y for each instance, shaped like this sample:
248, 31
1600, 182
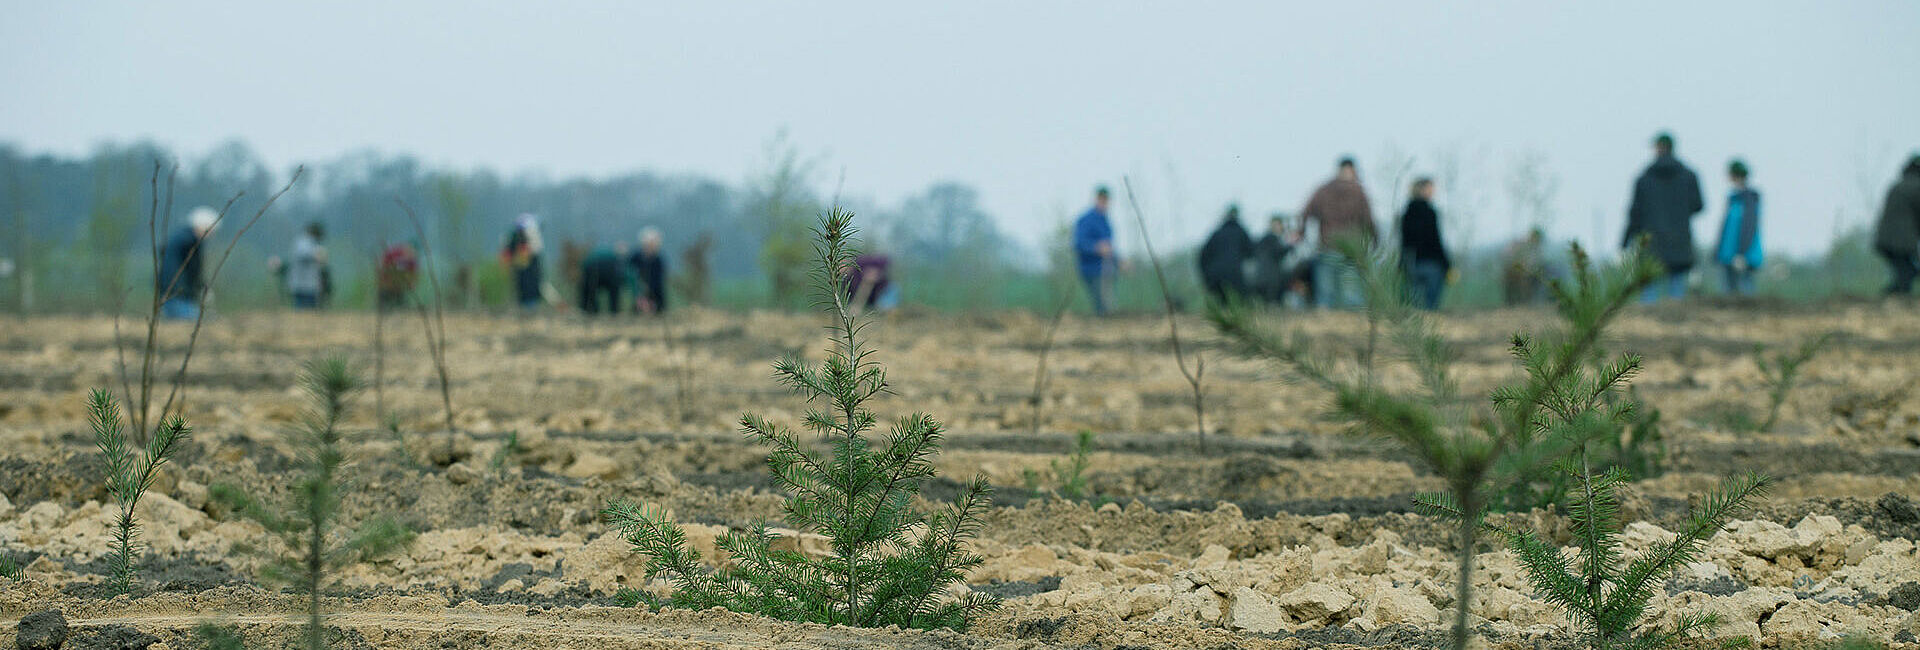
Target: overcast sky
1032, 103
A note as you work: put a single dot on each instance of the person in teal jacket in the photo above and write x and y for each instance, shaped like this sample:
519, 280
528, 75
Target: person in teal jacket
1739, 251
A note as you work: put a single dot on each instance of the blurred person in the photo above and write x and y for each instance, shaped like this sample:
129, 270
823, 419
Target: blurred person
306, 267
1093, 246
1338, 211
1271, 278
1523, 270
1223, 258
1739, 252
399, 270
603, 279
869, 283
1897, 236
179, 282
521, 257
650, 268
1422, 252
1666, 197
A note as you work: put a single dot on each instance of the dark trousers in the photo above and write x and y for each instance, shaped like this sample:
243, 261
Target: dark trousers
1425, 282
1905, 268
597, 282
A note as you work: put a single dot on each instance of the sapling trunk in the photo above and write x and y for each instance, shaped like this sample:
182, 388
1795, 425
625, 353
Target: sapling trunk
436, 328
1199, 370
1464, 535
1038, 400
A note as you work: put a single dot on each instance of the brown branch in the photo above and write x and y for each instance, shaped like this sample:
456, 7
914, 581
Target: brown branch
1040, 368
180, 377
1199, 370
437, 341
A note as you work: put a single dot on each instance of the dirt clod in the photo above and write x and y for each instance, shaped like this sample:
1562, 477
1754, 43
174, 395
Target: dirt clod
42, 630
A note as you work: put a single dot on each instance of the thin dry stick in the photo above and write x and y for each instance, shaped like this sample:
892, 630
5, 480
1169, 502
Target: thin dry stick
150, 347
1173, 325
180, 377
379, 345
436, 340
683, 358
1038, 400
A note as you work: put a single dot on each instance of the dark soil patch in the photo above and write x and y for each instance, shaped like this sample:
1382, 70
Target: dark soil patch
1019, 588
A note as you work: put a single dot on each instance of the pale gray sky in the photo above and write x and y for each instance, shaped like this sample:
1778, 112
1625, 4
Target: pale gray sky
1031, 102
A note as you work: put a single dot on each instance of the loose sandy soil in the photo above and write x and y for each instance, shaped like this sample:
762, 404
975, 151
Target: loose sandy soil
1287, 533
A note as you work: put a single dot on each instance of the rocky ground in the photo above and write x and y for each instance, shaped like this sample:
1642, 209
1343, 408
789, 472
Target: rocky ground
1287, 533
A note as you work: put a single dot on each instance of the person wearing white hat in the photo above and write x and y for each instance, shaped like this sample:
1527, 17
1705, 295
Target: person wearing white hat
179, 283
521, 256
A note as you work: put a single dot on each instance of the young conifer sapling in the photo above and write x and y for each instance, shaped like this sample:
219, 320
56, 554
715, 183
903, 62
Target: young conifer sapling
889, 563
1557, 406
128, 477
313, 543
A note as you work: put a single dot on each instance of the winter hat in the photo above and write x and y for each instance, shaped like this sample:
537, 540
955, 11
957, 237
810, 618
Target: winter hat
202, 219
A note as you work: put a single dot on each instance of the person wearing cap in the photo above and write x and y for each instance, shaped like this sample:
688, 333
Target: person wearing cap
650, 267
1338, 211
306, 267
1897, 236
521, 256
1223, 258
1666, 197
1739, 252
178, 283
1093, 248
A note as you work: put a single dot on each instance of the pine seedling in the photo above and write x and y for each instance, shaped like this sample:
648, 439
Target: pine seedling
314, 543
506, 451
1073, 475
1605, 596
1557, 405
128, 478
889, 564
8, 568
213, 636
1781, 371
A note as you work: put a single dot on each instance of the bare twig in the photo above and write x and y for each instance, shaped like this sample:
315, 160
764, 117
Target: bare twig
1038, 400
436, 328
379, 343
1199, 369
180, 377
151, 347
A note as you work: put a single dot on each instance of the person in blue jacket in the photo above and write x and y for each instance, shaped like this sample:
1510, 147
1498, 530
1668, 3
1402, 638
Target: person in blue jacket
1739, 251
178, 281
1093, 247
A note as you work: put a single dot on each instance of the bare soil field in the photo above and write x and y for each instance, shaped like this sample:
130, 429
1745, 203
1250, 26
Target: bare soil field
1290, 532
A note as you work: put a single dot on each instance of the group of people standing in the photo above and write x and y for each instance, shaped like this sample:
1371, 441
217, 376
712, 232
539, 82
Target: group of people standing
1296, 263
1300, 261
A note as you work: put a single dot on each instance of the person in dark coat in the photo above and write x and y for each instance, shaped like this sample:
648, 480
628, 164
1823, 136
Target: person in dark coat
650, 268
179, 283
1270, 272
603, 280
1665, 199
1897, 236
1739, 252
521, 256
1421, 250
1223, 258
